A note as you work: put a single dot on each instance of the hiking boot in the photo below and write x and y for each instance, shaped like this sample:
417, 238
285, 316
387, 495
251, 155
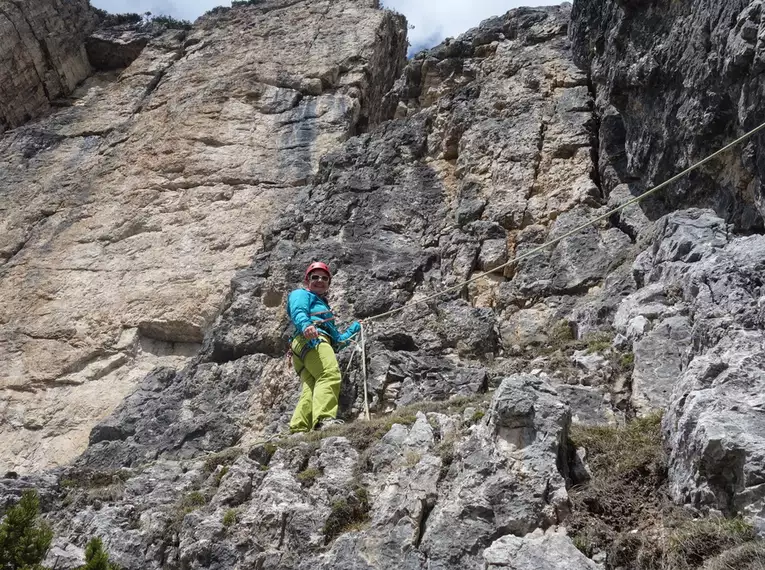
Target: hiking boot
327, 423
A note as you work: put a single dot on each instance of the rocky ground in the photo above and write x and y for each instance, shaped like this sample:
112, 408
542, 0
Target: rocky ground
479, 454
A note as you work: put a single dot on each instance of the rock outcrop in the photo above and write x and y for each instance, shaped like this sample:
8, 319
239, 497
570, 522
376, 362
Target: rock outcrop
675, 82
442, 490
126, 215
42, 55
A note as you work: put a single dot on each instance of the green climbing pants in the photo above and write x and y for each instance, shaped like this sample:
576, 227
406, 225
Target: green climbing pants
320, 375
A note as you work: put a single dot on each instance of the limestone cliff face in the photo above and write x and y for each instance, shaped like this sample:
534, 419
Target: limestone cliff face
126, 214
491, 153
156, 225
675, 81
42, 55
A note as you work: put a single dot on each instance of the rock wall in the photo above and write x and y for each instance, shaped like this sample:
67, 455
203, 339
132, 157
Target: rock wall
125, 215
387, 212
42, 55
490, 154
176, 203
675, 81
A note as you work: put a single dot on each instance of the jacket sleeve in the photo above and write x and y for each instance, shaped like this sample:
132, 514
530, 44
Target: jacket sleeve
349, 332
299, 309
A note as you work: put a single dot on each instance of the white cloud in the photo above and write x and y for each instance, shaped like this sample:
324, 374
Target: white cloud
433, 20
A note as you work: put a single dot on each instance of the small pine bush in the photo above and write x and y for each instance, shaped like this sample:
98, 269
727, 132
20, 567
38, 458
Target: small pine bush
24, 540
96, 558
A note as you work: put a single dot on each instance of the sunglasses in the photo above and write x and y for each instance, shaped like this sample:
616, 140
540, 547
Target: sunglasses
315, 277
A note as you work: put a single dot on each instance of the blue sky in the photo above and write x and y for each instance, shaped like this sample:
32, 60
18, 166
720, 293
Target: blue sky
433, 20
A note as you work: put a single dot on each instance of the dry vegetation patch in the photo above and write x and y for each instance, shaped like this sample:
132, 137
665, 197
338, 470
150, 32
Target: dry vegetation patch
624, 510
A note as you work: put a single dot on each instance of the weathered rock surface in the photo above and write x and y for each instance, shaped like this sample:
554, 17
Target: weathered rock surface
507, 480
699, 354
42, 55
544, 551
439, 493
125, 215
177, 202
675, 82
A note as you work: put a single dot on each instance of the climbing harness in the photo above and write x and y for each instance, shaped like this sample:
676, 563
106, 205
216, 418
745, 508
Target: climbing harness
536, 250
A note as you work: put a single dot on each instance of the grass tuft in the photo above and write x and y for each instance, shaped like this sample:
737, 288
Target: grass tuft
230, 517
625, 512
748, 556
362, 434
308, 476
617, 451
225, 457
691, 544
191, 502
347, 514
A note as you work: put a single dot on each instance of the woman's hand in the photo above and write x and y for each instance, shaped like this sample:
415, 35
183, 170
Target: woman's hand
311, 333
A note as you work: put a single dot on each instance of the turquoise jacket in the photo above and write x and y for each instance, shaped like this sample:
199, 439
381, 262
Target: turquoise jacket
306, 308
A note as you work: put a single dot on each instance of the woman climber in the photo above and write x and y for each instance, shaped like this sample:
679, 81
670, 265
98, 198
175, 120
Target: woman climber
313, 350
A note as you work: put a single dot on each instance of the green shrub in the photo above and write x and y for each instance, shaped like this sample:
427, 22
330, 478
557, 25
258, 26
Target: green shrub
171, 23
110, 20
217, 10
96, 558
24, 540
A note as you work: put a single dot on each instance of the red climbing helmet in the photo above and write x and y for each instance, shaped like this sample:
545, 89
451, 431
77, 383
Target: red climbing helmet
317, 265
